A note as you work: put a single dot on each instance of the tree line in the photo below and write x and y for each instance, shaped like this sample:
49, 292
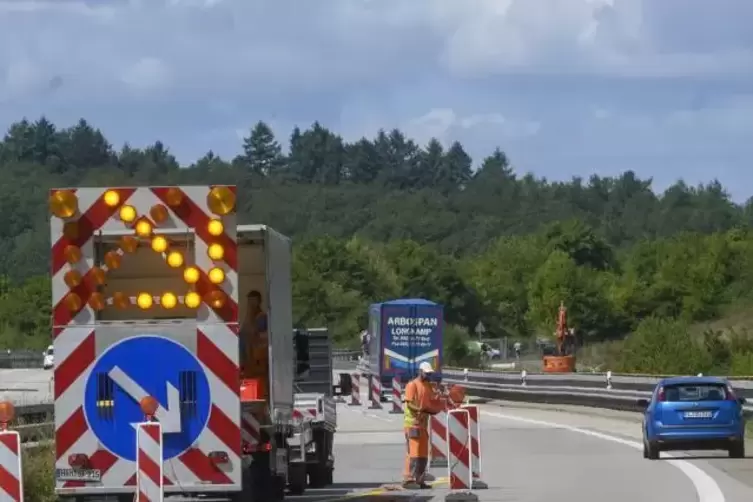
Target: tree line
384, 217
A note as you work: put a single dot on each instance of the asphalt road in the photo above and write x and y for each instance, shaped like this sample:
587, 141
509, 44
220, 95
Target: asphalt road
529, 453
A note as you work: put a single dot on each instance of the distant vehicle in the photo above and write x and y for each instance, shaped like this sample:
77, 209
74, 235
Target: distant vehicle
484, 349
49, 358
693, 413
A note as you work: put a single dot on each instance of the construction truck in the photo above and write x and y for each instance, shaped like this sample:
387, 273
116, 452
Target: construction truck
315, 408
146, 291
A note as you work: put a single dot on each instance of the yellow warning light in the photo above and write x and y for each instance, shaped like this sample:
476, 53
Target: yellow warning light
111, 198
191, 275
97, 301
98, 276
73, 302
159, 244
215, 299
159, 213
216, 275
7, 413
143, 228
144, 300
129, 243
215, 227
63, 203
168, 300
121, 300
192, 300
127, 214
216, 252
173, 197
72, 278
174, 259
72, 254
112, 260
221, 200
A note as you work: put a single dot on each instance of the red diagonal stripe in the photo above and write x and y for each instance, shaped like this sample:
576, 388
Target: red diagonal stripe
195, 217
248, 427
67, 434
217, 362
143, 497
61, 315
11, 441
132, 481
94, 217
102, 460
203, 468
76, 363
149, 467
224, 428
9, 484
153, 431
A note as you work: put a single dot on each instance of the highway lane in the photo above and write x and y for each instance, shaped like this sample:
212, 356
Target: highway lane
26, 386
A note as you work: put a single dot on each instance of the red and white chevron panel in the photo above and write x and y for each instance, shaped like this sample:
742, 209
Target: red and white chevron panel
250, 432
397, 396
302, 414
459, 442
355, 389
375, 392
149, 485
77, 343
474, 415
11, 479
438, 439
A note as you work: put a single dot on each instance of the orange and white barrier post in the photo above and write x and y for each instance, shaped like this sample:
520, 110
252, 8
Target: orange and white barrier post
438, 440
11, 474
149, 475
397, 396
375, 392
474, 414
459, 458
355, 390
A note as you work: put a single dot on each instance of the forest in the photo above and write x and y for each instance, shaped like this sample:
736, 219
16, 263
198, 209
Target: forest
384, 217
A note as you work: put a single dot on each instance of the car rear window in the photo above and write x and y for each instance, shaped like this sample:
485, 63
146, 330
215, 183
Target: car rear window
688, 392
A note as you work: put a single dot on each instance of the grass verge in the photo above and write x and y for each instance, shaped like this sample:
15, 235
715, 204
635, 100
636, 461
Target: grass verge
39, 473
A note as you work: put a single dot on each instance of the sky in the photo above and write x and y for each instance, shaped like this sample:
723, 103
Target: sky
565, 87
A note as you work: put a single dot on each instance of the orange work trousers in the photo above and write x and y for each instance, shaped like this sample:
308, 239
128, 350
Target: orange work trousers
417, 454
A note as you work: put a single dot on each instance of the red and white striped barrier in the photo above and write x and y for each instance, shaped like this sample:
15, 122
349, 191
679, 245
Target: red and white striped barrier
149, 475
375, 392
459, 442
355, 390
474, 414
438, 440
11, 478
397, 396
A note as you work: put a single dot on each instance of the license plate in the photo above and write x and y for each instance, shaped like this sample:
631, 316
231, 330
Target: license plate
698, 414
78, 474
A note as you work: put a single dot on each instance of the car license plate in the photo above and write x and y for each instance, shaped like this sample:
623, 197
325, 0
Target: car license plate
78, 475
698, 414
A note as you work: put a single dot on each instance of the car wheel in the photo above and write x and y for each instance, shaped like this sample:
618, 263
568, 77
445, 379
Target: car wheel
650, 451
737, 450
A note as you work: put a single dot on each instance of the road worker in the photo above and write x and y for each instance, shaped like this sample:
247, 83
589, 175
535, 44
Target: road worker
253, 338
419, 404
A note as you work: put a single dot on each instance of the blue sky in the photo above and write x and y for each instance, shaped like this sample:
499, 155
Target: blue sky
565, 87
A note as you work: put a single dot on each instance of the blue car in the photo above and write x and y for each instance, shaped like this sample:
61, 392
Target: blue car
693, 413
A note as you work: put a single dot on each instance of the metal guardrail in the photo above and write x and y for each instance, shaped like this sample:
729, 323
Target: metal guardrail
21, 359
345, 355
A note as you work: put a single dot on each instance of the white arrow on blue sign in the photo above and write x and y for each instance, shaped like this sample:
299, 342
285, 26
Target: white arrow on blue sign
147, 365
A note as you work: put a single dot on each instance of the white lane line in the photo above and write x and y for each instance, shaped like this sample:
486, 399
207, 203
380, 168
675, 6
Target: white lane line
707, 489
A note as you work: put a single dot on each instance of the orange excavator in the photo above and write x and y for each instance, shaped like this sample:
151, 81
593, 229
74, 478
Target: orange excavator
563, 361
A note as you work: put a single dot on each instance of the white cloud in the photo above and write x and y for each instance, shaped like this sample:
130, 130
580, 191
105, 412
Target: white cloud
555, 82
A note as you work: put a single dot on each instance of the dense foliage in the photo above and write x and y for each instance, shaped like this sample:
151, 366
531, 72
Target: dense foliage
384, 217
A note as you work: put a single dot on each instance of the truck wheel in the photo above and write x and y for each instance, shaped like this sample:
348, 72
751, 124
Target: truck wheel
297, 479
317, 476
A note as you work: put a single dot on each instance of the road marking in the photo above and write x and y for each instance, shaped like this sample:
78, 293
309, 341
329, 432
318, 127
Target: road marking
705, 486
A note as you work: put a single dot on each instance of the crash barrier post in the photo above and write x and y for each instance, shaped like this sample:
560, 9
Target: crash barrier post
10, 461
355, 390
523, 377
609, 380
459, 458
474, 415
149, 475
397, 396
375, 392
438, 440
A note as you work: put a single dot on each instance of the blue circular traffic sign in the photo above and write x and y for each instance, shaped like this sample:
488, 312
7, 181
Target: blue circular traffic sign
134, 368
